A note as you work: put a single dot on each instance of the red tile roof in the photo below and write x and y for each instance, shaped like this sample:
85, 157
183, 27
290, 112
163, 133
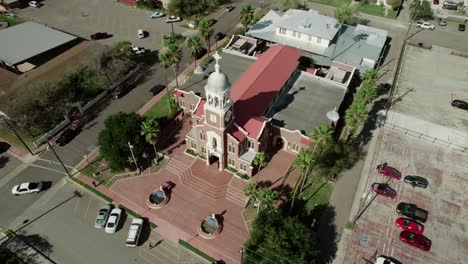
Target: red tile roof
201, 108
256, 89
305, 141
236, 133
178, 93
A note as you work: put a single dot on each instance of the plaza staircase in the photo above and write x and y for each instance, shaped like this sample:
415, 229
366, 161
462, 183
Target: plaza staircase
236, 195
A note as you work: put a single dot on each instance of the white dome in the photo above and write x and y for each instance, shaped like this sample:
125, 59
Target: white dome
218, 83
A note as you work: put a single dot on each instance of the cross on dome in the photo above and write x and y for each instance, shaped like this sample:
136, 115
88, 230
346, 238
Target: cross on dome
217, 57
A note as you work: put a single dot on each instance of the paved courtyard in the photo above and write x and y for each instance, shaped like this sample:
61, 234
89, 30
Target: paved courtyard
445, 199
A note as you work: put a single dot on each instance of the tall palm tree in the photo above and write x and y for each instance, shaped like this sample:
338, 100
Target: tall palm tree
250, 190
206, 31
303, 162
260, 160
321, 135
195, 47
366, 93
354, 116
342, 14
370, 76
165, 63
246, 16
151, 131
175, 56
268, 198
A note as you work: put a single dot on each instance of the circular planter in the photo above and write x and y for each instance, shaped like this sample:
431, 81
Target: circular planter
209, 228
157, 199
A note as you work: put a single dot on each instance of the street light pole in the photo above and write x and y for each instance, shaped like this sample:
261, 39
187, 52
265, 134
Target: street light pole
5, 118
133, 156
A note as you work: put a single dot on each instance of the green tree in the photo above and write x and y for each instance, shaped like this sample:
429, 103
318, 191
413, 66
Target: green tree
246, 16
119, 130
395, 4
370, 76
174, 53
165, 63
354, 117
421, 10
366, 93
279, 239
342, 14
335, 157
321, 135
261, 161
195, 47
267, 198
151, 131
250, 190
288, 4
303, 162
206, 31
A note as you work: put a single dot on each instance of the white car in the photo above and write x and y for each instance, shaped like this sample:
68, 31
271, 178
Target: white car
192, 24
171, 19
27, 187
33, 3
425, 25
138, 50
113, 222
134, 232
386, 260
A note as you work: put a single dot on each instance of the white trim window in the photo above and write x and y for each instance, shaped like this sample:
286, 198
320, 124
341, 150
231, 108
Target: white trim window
251, 144
213, 118
298, 35
310, 38
203, 150
192, 107
232, 162
294, 33
202, 135
182, 103
193, 145
319, 40
296, 147
231, 148
243, 167
282, 31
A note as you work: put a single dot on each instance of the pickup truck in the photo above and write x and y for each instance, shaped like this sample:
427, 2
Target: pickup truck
425, 25
412, 211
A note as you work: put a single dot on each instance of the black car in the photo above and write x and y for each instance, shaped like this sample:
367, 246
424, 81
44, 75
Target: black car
460, 104
212, 21
229, 8
461, 27
157, 89
416, 181
219, 36
67, 136
100, 35
412, 211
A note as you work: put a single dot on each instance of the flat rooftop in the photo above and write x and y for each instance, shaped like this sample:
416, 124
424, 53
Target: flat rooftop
436, 77
231, 65
26, 40
306, 103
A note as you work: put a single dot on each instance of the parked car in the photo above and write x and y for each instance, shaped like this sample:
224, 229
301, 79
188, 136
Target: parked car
67, 136
412, 211
388, 171
386, 260
113, 222
134, 232
461, 27
99, 35
442, 21
219, 36
384, 190
212, 21
450, 5
138, 50
192, 24
416, 181
33, 3
26, 188
157, 89
410, 225
157, 14
229, 8
141, 33
102, 216
172, 19
425, 25
416, 240
460, 104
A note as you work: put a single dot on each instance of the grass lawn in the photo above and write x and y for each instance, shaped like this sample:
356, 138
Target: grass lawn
11, 20
335, 3
317, 194
160, 109
9, 136
376, 10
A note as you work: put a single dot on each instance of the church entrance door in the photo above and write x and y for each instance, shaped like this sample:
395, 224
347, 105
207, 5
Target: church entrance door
214, 160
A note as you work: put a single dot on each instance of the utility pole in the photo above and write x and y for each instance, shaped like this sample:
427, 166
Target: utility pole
133, 156
55, 153
5, 118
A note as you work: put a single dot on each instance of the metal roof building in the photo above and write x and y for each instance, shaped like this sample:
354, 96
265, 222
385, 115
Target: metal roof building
27, 40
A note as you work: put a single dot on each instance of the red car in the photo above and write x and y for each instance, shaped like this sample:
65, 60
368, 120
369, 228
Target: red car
410, 225
99, 35
384, 190
389, 171
416, 240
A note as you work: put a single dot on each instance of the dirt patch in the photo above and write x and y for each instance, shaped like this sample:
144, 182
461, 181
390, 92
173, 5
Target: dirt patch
12, 84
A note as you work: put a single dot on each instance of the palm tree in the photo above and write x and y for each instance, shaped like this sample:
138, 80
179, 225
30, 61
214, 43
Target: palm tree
165, 63
151, 131
354, 116
342, 14
320, 135
268, 198
303, 162
206, 31
261, 160
175, 56
250, 190
366, 93
370, 76
246, 16
195, 47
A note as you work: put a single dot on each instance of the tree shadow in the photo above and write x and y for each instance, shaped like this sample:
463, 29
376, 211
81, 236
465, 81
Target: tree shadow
370, 124
264, 184
29, 247
324, 229
3, 161
4, 147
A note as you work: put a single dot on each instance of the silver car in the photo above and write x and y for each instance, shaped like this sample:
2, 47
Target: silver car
102, 216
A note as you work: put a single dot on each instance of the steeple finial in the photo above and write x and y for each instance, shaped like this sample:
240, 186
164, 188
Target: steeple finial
217, 58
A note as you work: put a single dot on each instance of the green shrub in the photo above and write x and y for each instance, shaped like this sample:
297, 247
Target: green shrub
243, 176
130, 212
196, 251
192, 152
152, 225
350, 225
89, 188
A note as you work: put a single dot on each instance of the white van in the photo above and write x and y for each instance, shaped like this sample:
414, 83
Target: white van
141, 33
134, 232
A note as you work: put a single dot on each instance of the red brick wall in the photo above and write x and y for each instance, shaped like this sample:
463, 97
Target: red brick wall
128, 2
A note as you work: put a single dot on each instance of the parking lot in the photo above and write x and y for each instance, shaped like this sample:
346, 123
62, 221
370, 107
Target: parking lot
375, 232
68, 225
86, 17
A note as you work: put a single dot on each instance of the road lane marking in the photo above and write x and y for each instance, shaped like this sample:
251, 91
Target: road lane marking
46, 168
